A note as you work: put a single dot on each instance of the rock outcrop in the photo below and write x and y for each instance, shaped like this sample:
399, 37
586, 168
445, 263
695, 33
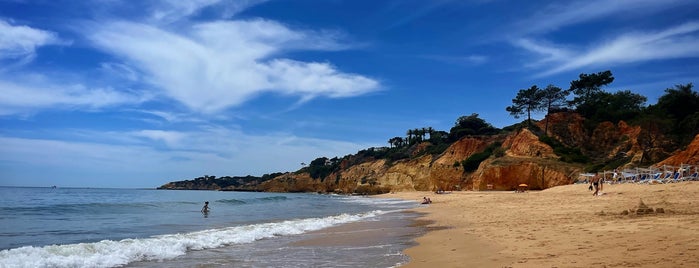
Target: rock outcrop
526, 160
525, 144
688, 156
504, 161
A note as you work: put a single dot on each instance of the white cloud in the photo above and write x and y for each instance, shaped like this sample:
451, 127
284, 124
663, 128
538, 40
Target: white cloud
423, 9
172, 10
19, 98
168, 11
549, 52
468, 60
680, 41
120, 70
169, 117
565, 13
315, 79
171, 138
213, 66
20, 42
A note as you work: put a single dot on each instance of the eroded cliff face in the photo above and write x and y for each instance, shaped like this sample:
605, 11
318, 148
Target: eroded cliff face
292, 183
525, 144
688, 156
508, 172
566, 127
607, 140
526, 160
522, 158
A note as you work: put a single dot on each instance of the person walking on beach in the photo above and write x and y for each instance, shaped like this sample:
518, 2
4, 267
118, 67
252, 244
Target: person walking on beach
205, 209
596, 182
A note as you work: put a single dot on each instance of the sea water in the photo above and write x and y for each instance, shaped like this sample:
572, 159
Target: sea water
79, 227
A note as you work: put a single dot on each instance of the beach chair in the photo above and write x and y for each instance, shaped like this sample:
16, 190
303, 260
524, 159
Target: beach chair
656, 178
643, 179
675, 177
667, 176
694, 176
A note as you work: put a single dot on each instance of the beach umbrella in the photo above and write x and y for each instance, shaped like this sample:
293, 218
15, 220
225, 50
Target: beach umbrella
522, 187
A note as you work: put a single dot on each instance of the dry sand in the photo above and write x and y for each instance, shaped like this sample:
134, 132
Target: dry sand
563, 226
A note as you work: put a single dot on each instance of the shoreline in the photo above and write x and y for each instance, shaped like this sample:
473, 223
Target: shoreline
564, 226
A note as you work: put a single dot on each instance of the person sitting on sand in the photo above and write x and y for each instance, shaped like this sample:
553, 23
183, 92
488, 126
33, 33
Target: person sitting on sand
205, 209
426, 200
596, 181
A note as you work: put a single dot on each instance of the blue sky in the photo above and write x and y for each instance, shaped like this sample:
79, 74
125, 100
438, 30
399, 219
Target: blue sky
108, 93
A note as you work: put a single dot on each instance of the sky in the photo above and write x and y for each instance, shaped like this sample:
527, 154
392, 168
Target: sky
109, 93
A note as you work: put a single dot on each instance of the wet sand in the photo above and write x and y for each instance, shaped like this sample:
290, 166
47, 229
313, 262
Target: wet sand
389, 230
377, 242
560, 227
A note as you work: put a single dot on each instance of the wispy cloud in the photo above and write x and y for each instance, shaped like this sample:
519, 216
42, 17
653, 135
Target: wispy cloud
26, 97
27, 93
171, 138
120, 70
162, 116
462, 60
565, 13
168, 11
681, 41
171, 10
546, 54
423, 9
129, 158
19, 42
213, 66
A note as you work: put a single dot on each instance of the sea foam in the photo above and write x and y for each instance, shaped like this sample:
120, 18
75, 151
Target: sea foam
109, 253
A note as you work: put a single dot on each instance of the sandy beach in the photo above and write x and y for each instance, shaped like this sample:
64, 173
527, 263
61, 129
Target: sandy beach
563, 226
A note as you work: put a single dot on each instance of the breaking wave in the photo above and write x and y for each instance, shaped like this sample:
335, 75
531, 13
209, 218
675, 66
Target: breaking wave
109, 253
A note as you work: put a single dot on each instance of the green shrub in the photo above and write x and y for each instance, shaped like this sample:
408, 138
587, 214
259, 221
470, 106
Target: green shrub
472, 163
566, 154
499, 152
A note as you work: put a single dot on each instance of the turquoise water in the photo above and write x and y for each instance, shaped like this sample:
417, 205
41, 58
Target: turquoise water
73, 227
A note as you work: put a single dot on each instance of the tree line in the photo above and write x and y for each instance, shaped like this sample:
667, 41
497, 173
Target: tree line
675, 115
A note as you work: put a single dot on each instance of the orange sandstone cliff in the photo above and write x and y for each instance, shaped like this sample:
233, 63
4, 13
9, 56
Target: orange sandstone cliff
520, 156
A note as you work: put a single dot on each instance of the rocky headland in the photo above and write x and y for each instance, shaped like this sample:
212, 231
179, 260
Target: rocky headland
520, 155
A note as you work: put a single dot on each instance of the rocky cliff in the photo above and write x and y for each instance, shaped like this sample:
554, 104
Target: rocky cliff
690, 155
549, 154
526, 160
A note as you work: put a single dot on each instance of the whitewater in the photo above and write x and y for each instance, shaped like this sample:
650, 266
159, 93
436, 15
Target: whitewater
45, 227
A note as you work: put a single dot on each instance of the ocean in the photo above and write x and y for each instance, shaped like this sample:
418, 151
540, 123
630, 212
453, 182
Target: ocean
84, 227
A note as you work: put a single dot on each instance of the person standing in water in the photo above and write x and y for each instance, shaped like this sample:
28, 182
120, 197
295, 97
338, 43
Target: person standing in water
205, 209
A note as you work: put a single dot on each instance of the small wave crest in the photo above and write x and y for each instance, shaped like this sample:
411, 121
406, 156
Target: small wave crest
273, 198
108, 253
62, 209
231, 201
381, 201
